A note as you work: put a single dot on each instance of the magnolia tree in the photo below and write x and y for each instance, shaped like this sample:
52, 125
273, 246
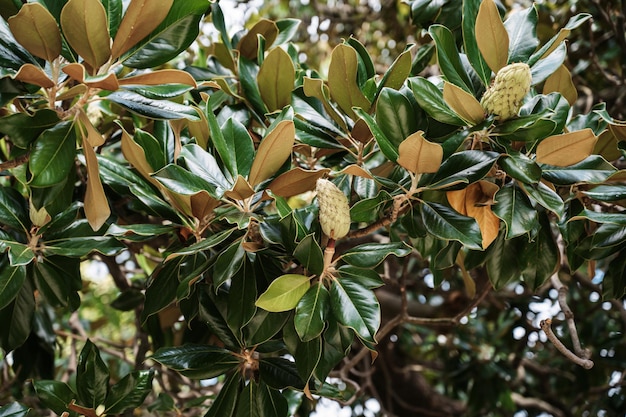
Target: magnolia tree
281, 222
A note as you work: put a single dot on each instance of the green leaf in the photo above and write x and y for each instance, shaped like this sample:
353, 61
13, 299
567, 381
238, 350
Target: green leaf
607, 192
19, 253
263, 326
311, 312
522, 29
239, 144
218, 140
599, 217
114, 14
139, 232
356, 307
470, 11
23, 128
14, 409
197, 361
386, 146
520, 167
593, 170
545, 197
154, 109
77, 247
430, 99
13, 209
284, 293
248, 73
92, 377
53, 155
11, 281
462, 168
177, 179
449, 58
309, 254
161, 287
241, 298
205, 244
17, 318
395, 116
307, 357
55, 395
272, 402
370, 255
226, 400
366, 277
515, 210
159, 92
228, 263
503, 260
546, 66
179, 29
55, 278
370, 209
337, 341
540, 258
129, 392
445, 223
280, 373
203, 164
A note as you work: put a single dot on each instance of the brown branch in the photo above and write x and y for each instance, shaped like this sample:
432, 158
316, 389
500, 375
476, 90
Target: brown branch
545, 326
569, 317
14, 163
536, 403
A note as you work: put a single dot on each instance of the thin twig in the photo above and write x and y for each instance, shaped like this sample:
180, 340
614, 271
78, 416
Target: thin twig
14, 163
569, 316
545, 326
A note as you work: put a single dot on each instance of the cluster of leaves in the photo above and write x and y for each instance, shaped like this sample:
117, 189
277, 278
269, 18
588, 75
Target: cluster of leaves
203, 174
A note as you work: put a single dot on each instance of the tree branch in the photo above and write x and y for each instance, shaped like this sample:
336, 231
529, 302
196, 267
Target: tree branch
545, 326
14, 163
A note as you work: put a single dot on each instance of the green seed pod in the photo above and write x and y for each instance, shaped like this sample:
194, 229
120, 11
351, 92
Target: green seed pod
334, 209
504, 97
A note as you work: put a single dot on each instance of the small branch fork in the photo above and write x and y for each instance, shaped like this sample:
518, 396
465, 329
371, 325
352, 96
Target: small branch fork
580, 356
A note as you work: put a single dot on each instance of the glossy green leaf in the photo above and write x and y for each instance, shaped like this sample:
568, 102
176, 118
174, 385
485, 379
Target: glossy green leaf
241, 298
540, 258
395, 116
129, 392
17, 318
77, 247
13, 209
369, 255
309, 253
154, 109
14, 409
522, 29
161, 288
545, 197
599, 217
503, 260
239, 144
55, 395
197, 361
263, 326
113, 10
177, 179
369, 210
520, 167
546, 66
53, 278
384, 143
356, 307
139, 232
462, 168
307, 357
470, 11
202, 163
514, 208
228, 263
284, 293
337, 341
311, 311
11, 280
219, 142
445, 223
23, 128
179, 29
364, 276
614, 282
53, 155
430, 99
19, 253
573, 22
280, 373
593, 170
248, 73
208, 243
398, 72
226, 400
272, 402
607, 192
92, 377
449, 58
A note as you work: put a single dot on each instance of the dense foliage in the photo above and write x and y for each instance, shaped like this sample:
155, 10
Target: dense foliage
485, 209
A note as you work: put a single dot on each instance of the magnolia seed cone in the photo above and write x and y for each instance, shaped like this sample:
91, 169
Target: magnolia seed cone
334, 209
504, 97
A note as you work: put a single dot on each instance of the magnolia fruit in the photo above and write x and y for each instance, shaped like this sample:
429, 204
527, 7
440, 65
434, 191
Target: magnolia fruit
504, 97
334, 209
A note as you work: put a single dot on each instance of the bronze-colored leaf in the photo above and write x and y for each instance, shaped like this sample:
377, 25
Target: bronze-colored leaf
606, 146
463, 103
357, 170
223, 55
241, 190
72, 92
561, 82
160, 77
566, 149
141, 18
137, 157
276, 78
399, 70
361, 131
475, 201
342, 80
79, 73
33, 74
199, 129
314, 87
618, 130
97, 208
273, 151
249, 44
296, 181
37, 31
491, 36
202, 205
86, 29
418, 155
88, 131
